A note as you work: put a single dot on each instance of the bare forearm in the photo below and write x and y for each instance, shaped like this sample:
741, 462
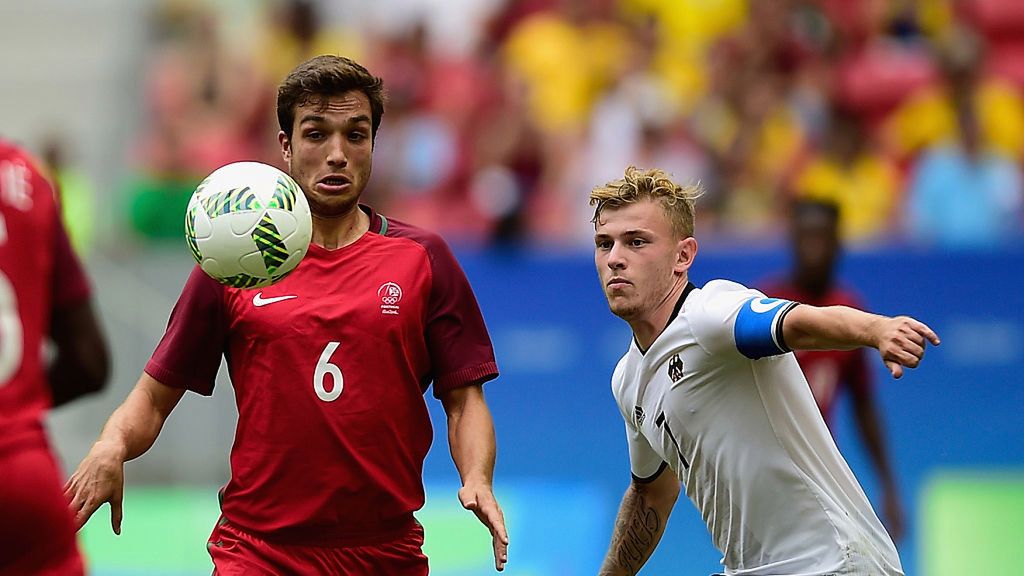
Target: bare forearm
638, 529
134, 426
471, 437
829, 328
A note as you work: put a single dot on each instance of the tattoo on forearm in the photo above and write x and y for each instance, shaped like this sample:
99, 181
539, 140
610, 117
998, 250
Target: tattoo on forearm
636, 533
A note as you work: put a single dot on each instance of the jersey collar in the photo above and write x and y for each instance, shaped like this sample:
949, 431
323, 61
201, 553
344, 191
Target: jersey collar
690, 287
378, 223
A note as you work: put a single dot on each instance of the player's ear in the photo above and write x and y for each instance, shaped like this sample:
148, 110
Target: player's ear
686, 251
286, 147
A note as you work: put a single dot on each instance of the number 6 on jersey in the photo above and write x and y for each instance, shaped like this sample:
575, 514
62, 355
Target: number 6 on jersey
323, 368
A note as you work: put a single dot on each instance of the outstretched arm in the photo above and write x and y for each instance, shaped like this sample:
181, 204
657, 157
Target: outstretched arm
129, 432
900, 341
471, 438
641, 521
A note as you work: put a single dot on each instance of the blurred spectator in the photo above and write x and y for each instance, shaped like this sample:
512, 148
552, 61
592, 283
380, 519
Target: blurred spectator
294, 32
930, 116
636, 122
504, 113
848, 171
566, 57
205, 108
962, 196
815, 248
508, 168
75, 194
966, 191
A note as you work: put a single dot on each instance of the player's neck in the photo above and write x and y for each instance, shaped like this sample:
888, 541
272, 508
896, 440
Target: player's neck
340, 231
648, 327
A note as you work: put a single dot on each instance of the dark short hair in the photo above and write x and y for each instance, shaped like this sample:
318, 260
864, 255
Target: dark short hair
321, 77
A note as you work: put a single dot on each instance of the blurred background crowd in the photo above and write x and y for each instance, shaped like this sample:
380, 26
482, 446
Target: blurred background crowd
907, 114
502, 115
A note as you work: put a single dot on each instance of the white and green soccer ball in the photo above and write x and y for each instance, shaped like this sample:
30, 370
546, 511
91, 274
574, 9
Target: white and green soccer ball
248, 225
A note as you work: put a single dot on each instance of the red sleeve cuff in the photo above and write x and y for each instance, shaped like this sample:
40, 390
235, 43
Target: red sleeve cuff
174, 380
466, 377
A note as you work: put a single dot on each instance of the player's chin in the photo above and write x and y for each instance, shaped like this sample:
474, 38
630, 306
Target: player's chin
331, 206
622, 307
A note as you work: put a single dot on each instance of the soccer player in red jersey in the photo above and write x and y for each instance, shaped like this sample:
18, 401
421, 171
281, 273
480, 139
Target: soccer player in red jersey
329, 366
814, 237
44, 295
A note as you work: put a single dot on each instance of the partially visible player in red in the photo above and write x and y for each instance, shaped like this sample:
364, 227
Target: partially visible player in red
329, 367
814, 238
44, 296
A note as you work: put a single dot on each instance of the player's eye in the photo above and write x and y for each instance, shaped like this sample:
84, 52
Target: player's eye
637, 242
357, 136
603, 244
314, 135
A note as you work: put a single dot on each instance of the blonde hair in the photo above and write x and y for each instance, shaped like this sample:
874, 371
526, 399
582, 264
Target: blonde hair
652, 184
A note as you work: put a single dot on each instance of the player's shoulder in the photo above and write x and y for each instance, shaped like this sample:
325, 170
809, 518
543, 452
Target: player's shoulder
619, 373
199, 282
720, 288
10, 151
620, 377
713, 306
26, 182
430, 241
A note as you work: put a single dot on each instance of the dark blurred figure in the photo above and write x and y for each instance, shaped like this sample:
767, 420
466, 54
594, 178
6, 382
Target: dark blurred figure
44, 296
74, 191
814, 229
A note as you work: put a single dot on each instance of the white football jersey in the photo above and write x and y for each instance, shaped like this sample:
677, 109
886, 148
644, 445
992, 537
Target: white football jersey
719, 399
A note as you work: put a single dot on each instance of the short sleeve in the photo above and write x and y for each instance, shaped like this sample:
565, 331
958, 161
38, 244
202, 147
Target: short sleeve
733, 317
189, 354
644, 463
459, 345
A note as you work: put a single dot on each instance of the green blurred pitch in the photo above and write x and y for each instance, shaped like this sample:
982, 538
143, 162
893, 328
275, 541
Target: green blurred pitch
973, 523
165, 530
164, 533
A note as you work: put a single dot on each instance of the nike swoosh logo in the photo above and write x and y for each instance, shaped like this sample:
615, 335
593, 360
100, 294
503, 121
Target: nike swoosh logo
765, 304
258, 300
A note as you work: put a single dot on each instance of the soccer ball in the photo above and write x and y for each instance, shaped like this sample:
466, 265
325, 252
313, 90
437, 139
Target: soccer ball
248, 225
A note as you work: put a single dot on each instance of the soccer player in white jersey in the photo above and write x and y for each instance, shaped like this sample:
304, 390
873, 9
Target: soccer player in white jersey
715, 403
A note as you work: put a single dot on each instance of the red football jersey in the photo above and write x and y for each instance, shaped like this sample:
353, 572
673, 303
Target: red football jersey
828, 371
38, 272
329, 368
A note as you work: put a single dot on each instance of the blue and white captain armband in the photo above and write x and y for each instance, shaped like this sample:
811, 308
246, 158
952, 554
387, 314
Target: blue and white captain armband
758, 328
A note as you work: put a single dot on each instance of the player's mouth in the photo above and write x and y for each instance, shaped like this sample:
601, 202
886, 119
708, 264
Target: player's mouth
333, 184
617, 282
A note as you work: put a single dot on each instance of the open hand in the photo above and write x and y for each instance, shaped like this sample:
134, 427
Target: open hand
480, 500
901, 342
98, 479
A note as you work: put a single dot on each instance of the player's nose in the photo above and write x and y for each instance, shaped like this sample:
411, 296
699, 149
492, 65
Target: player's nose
336, 152
616, 257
